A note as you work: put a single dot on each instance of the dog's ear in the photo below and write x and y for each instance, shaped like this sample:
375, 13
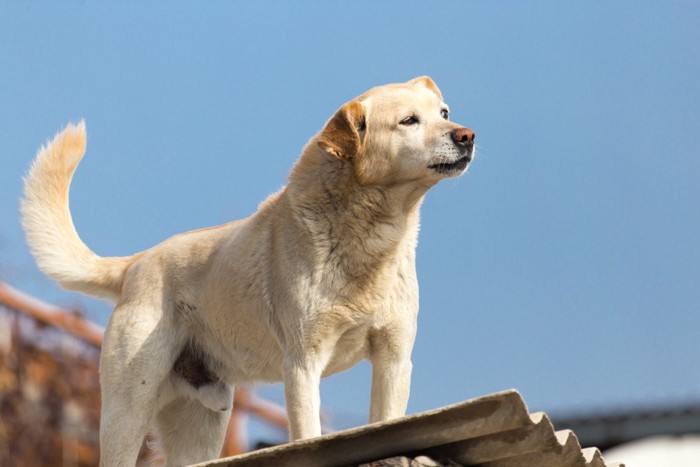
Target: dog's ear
427, 82
341, 136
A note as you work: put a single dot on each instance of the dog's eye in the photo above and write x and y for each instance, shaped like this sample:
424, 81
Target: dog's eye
445, 114
412, 120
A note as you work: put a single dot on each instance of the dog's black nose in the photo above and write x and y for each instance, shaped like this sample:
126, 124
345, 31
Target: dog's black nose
463, 137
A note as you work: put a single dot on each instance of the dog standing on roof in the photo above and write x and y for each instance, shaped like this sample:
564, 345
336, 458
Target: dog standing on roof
320, 277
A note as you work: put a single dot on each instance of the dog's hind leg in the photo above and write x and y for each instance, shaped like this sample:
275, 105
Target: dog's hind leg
138, 352
188, 432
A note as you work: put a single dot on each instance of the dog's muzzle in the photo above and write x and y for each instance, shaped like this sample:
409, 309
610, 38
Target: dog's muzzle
463, 139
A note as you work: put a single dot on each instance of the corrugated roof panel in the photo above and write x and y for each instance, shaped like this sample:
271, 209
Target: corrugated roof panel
490, 431
498, 446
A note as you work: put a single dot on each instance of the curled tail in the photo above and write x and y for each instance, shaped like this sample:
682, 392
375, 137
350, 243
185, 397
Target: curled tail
47, 222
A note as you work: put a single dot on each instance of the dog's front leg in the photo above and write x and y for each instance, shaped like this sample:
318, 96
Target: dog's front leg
391, 374
303, 398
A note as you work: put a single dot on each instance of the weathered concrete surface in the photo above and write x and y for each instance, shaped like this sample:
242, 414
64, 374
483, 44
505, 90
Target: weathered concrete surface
490, 431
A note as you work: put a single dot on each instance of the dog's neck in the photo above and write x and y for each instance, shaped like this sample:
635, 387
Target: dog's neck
353, 228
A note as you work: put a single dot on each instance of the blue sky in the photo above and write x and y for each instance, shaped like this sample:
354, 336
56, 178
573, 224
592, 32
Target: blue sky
565, 264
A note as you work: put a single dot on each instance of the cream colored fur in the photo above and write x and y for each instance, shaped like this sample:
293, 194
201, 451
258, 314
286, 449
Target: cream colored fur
320, 277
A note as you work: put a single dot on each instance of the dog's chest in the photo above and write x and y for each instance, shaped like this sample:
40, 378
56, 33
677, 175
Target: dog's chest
392, 304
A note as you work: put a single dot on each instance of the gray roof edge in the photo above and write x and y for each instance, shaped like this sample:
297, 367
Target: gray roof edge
496, 428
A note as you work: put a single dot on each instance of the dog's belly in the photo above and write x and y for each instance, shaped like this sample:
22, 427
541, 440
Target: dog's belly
250, 360
246, 362
256, 356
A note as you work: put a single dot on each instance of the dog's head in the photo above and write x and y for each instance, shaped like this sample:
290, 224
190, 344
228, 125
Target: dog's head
399, 133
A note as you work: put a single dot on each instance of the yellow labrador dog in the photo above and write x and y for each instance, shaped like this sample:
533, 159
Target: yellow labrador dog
320, 277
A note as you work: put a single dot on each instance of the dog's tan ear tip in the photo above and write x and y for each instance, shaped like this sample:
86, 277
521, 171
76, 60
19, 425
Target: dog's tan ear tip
426, 81
354, 108
422, 80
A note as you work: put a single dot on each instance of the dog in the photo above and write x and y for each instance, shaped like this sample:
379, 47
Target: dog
320, 277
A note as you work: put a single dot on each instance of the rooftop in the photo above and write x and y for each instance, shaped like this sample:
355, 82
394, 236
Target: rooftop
491, 431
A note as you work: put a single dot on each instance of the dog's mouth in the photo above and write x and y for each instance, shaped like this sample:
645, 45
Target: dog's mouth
450, 167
